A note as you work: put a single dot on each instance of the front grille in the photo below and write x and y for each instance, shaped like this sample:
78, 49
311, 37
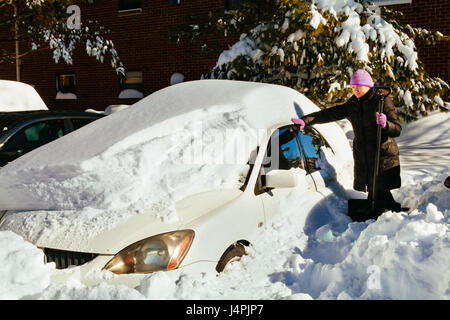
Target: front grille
65, 259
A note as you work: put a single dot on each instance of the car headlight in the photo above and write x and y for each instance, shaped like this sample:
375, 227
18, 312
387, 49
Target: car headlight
161, 252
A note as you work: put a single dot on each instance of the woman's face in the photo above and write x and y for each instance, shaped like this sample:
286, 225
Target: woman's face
359, 91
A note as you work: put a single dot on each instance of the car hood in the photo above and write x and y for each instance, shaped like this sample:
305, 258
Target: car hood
35, 226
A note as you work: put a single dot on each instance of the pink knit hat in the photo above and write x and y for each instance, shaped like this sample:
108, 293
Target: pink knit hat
361, 78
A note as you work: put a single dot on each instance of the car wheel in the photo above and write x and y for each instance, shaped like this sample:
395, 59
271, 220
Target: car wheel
231, 255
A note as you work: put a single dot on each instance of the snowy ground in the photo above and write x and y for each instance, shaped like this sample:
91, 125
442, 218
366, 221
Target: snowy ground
399, 256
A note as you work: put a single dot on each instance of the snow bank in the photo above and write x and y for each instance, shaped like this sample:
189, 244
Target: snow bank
113, 108
398, 257
425, 144
130, 94
23, 272
176, 78
19, 96
65, 96
74, 290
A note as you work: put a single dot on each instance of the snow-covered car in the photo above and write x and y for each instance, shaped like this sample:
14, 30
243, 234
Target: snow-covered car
26, 123
19, 96
184, 180
21, 132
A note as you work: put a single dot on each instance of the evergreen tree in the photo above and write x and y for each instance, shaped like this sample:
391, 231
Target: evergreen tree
315, 46
33, 25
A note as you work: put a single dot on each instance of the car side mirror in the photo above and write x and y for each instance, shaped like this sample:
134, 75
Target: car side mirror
280, 179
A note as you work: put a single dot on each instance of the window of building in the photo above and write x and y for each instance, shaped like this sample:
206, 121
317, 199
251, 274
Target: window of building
65, 86
233, 4
130, 4
65, 83
131, 85
132, 80
174, 2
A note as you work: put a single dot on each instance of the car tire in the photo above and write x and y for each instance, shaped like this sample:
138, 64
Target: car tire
232, 254
447, 182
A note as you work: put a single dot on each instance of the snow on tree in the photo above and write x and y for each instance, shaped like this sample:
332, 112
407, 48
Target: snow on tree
315, 46
52, 24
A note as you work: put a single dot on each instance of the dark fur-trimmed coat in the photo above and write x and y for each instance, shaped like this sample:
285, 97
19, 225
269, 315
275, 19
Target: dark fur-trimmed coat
361, 114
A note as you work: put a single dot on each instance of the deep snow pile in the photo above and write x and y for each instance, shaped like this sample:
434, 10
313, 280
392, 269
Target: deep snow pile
399, 256
22, 273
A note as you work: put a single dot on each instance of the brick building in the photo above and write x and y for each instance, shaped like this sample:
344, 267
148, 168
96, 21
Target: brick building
431, 15
139, 30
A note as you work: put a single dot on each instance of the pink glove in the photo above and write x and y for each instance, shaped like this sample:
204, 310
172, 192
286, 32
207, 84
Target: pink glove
299, 122
381, 119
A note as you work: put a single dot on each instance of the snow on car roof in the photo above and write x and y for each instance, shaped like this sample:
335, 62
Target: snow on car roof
266, 104
263, 106
19, 96
179, 131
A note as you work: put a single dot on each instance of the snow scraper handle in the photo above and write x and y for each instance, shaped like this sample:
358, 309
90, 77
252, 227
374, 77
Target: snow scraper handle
383, 92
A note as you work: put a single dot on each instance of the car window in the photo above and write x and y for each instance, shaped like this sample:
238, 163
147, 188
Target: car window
78, 123
36, 135
311, 141
283, 151
32, 132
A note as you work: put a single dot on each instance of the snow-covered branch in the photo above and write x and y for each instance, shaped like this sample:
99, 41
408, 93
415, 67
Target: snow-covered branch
315, 46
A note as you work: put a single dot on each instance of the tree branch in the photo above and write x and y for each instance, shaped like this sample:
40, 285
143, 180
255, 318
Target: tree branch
20, 38
33, 50
3, 3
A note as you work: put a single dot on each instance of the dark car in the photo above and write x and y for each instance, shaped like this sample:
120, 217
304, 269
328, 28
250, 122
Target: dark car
21, 132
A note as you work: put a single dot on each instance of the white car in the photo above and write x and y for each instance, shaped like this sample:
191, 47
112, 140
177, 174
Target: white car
213, 222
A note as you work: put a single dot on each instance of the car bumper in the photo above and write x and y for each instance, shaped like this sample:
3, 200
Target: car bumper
91, 273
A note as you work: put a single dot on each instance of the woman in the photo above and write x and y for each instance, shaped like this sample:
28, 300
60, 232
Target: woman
361, 111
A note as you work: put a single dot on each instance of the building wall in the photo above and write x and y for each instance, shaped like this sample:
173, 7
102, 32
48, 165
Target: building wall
141, 41
431, 15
